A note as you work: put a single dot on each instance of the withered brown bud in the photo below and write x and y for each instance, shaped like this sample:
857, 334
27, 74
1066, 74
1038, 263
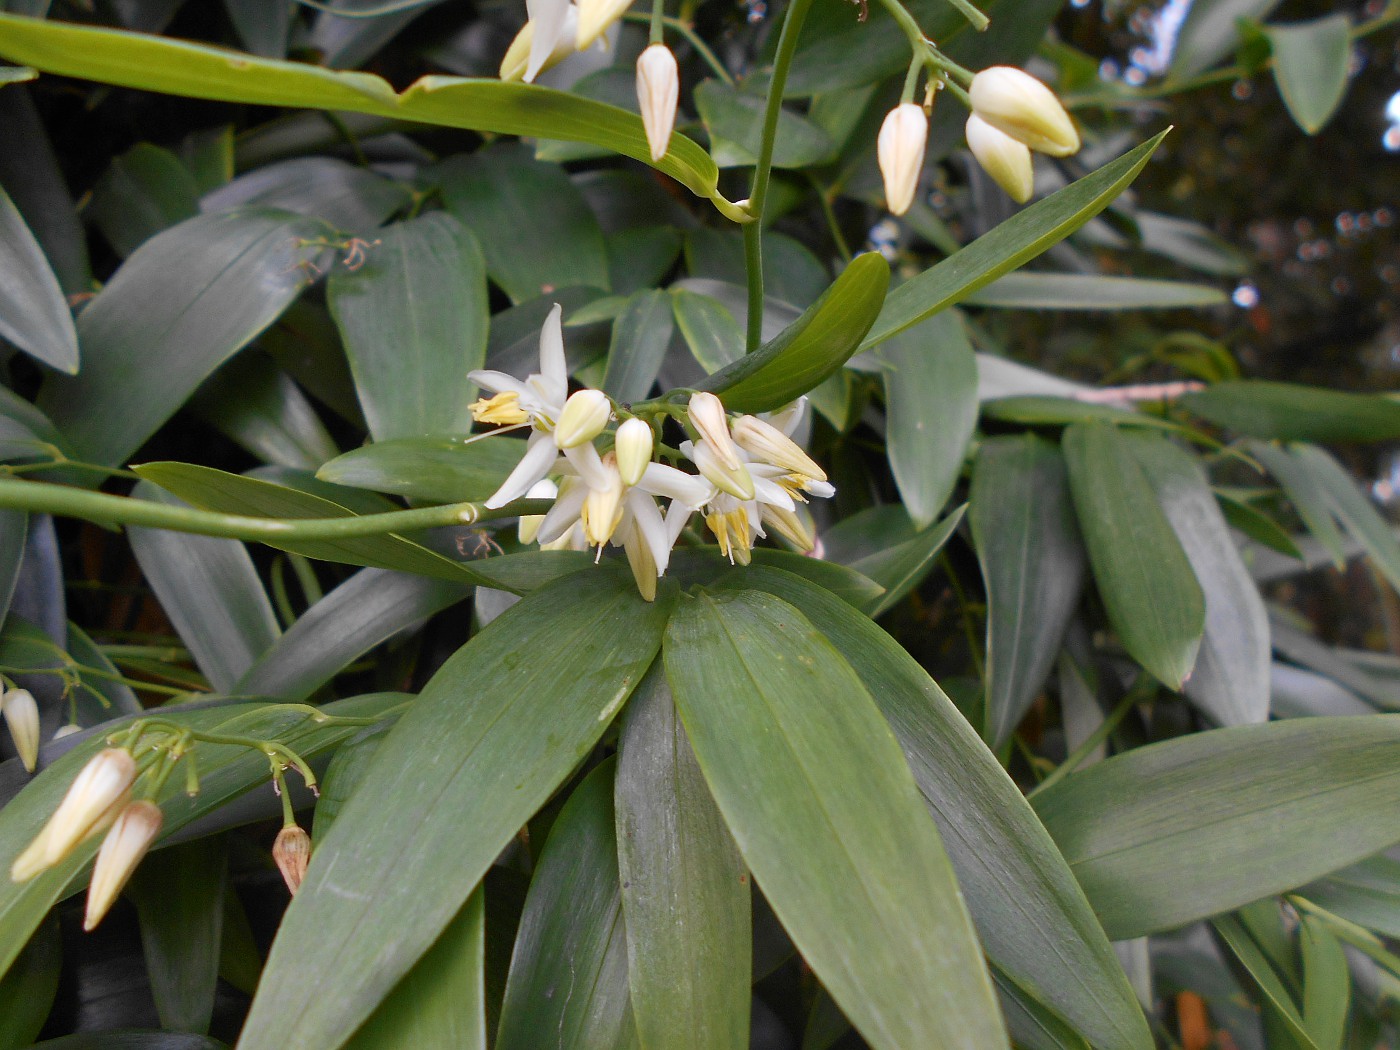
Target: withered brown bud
292, 852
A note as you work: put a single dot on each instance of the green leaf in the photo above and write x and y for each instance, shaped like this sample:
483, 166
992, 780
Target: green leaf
812, 347
1289, 412
568, 974
441, 1001
1212, 31
1016, 241
1032, 565
1272, 806
143, 191
185, 302
225, 773
533, 224
1353, 508
262, 25
1031, 916
735, 119
1311, 63
1261, 971
1230, 682
1367, 893
930, 377
1257, 525
882, 544
131, 1040
1074, 291
414, 321
685, 890
640, 337
803, 766
179, 897
211, 592
257, 405
351, 199
27, 990
1049, 410
33, 312
705, 565
1148, 586
1190, 244
714, 337
791, 273
494, 732
1308, 496
436, 469
176, 67
1326, 984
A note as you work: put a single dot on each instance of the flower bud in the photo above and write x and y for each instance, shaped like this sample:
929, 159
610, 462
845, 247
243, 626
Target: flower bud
642, 564
790, 525
707, 415
529, 526
766, 442
633, 444
68, 730
658, 91
1016, 103
585, 415
737, 481
292, 852
136, 828
602, 507
98, 792
900, 148
1007, 161
22, 719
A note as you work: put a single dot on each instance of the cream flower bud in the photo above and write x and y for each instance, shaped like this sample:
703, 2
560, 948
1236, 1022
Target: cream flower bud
736, 480
766, 442
602, 507
900, 147
92, 802
68, 730
1016, 103
136, 828
658, 91
292, 852
529, 525
707, 415
585, 415
789, 524
1007, 161
22, 720
633, 444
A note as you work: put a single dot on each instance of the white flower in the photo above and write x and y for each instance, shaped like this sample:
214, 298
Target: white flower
517, 63
585, 416
1005, 159
91, 804
1016, 103
132, 834
900, 148
707, 415
658, 91
633, 443
22, 719
549, 18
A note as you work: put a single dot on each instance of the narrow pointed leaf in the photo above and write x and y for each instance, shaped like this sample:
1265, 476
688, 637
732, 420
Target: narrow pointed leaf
1076, 291
1326, 984
27, 991
1312, 61
1291, 412
436, 469
1308, 496
33, 312
1031, 916
882, 544
685, 890
1354, 509
802, 765
568, 974
494, 732
1016, 241
1148, 586
257, 405
641, 335
1273, 806
1261, 971
1032, 565
413, 319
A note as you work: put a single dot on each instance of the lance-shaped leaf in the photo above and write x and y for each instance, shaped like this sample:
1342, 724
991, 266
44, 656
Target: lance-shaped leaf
1311, 63
435, 469
685, 891
413, 319
185, 302
1291, 412
1148, 586
494, 732
1016, 241
1032, 565
812, 347
153, 63
568, 973
1031, 916
1230, 682
33, 312
1271, 806
1079, 291
812, 784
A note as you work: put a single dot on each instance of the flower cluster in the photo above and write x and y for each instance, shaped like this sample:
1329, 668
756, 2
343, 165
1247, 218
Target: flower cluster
609, 486
1013, 113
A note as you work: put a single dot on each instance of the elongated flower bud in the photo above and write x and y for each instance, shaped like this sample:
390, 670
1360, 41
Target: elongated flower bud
584, 417
136, 828
292, 852
707, 415
633, 444
1007, 161
766, 442
737, 481
1016, 103
529, 526
900, 147
789, 524
98, 792
658, 91
602, 507
22, 719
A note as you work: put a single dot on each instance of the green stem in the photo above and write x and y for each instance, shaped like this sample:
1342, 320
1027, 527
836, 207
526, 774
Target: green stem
837, 238
658, 21
42, 497
306, 578
753, 268
170, 653
1097, 737
682, 28
975, 18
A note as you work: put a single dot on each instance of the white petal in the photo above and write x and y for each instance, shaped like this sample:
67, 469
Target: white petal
497, 382
690, 489
677, 514
540, 454
821, 489
554, 369
564, 514
771, 492
548, 17
589, 465
647, 520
